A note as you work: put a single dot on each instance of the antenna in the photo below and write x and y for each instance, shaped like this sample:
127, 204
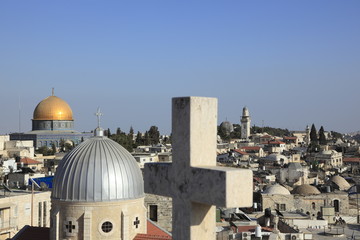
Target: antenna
19, 116
52, 92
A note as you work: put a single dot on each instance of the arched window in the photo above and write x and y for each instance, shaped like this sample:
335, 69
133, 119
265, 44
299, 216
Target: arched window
313, 205
337, 205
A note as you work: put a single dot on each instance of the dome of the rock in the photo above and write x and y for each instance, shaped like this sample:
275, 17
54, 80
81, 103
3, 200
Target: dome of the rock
53, 108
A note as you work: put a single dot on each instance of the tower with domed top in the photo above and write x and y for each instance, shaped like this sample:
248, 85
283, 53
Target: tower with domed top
245, 124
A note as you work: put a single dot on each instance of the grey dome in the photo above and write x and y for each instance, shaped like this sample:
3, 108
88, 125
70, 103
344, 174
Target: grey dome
97, 170
227, 127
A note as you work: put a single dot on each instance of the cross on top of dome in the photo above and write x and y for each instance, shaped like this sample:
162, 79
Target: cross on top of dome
99, 131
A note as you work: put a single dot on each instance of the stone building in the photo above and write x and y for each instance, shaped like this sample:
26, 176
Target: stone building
329, 159
20, 208
306, 199
159, 210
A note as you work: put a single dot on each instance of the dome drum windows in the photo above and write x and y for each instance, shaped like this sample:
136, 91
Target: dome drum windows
70, 227
106, 227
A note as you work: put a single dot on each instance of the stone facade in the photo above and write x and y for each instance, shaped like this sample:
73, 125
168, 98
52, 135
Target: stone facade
159, 210
310, 204
97, 220
16, 211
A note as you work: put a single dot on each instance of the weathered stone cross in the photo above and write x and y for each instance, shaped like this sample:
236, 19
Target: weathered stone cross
193, 180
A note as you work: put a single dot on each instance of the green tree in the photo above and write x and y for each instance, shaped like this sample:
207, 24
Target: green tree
44, 150
118, 131
139, 139
53, 149
322, 138
313, 135
154, 135
146, 138
314, 144
336, 135
108, 133
123, 140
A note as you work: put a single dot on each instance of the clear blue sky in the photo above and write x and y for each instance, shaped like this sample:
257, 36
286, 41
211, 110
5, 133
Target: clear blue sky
292, 63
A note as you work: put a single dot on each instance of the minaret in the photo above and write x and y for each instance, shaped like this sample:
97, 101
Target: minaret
245, 124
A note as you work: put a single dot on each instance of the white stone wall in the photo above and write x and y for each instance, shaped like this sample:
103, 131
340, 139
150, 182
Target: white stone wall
88, 217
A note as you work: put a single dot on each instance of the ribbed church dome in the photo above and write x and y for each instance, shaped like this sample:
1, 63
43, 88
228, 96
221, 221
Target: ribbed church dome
97, 170
53, 108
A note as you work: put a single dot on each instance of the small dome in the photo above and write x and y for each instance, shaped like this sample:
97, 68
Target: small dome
53, 108
276, 189
246, 112
227, 127
98, 170
277, 157
340, 182
306, 189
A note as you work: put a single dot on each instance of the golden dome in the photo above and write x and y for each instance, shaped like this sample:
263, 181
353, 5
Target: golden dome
53, 108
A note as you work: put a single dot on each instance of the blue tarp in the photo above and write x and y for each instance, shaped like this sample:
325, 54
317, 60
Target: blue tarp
40, 181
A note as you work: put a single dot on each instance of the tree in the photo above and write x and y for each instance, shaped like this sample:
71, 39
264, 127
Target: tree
53, 149
146, 138
108, 133
313, 135
131, 133
44, 150
154, 135
139, 140
322, 138
118, 131
131, 130
314, 144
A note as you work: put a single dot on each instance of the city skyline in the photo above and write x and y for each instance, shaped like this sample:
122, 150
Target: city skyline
291, 63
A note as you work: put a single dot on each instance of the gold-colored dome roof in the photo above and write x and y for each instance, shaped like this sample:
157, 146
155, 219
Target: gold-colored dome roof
53, 108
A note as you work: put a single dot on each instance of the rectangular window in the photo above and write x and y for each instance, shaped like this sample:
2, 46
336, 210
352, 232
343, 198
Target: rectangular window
39, 215
44, 214
153, 213
282, 207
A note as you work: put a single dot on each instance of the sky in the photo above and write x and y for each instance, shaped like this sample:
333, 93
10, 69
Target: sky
292, 63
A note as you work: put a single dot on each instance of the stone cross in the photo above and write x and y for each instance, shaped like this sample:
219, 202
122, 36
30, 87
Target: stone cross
193, 180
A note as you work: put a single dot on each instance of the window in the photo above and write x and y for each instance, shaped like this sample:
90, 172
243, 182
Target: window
313, 206
39, 215
70, 227
337, 205
153, 213
44, 214
282, 207
107, 227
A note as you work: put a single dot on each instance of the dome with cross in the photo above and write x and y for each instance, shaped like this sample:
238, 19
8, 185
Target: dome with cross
97, 170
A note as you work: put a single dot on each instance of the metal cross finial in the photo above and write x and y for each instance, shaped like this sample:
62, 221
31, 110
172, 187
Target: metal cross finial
98, 114
52, 91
